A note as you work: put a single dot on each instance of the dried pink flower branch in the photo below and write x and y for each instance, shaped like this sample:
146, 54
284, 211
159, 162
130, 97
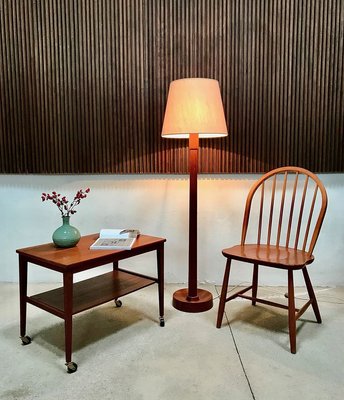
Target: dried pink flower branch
62, 203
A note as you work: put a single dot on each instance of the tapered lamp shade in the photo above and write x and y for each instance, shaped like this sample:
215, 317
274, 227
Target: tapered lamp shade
194, 105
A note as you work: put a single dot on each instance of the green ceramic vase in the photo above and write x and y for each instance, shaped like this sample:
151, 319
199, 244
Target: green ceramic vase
66, 235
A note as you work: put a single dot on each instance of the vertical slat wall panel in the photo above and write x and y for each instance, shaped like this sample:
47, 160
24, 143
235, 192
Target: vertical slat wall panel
83, 84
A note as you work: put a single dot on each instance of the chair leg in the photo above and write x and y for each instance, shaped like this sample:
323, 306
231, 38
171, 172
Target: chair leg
291, 312
254, 283
223, 294
311, 295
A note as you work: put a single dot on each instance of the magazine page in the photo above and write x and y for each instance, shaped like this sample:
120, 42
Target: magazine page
113, 244
111, 233
118, 233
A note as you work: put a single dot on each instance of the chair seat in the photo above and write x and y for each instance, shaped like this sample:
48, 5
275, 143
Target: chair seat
276, 256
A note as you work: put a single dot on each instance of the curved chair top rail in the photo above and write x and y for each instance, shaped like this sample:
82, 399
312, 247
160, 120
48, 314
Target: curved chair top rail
296, 193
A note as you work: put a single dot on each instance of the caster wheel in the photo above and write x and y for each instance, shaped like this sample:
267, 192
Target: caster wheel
118, 303
71, 367
162, 322
25, 340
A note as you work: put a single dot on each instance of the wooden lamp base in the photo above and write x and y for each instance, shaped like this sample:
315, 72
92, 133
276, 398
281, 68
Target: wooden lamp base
183, 302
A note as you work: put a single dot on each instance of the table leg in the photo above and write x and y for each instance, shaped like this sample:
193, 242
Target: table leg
68, 317
115, 268
23, 295
160, 263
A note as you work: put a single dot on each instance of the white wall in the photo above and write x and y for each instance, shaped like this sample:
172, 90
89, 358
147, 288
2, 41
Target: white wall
157, 205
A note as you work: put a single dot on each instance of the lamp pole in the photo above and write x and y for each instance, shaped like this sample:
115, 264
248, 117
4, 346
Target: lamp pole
193, 169
193, 299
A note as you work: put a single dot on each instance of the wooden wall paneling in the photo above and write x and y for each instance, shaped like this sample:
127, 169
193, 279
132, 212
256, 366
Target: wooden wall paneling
83, 84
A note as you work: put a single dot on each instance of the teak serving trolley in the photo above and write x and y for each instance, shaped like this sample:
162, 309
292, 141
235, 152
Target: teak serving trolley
71, 298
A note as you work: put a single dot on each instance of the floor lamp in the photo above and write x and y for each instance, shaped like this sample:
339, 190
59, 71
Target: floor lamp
194, 111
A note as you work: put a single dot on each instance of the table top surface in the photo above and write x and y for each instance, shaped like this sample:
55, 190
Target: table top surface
50, 256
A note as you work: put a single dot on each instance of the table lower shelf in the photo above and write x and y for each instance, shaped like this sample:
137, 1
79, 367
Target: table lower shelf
91, 292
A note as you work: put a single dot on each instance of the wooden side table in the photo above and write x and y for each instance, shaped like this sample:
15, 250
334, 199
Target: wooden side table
73, 298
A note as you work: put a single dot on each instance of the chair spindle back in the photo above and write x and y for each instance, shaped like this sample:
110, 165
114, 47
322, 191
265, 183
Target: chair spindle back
291, 204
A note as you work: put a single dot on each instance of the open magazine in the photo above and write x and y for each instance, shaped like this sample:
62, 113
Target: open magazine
115, 239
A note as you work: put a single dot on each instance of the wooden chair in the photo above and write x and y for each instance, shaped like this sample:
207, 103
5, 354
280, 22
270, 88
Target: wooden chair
291, 204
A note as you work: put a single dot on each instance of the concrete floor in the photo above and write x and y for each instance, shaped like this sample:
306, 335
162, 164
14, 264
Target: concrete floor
123, 353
